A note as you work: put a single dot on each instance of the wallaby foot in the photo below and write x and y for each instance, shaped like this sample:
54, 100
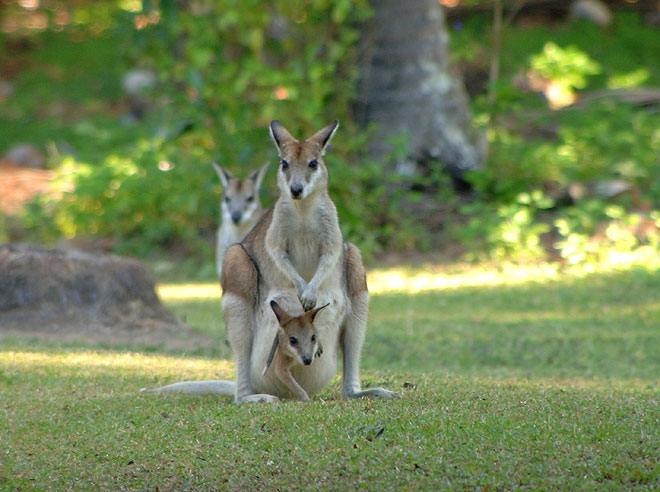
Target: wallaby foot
373, 393
258, 398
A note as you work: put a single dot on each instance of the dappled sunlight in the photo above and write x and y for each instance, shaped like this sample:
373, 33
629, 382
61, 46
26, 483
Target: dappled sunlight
432, 278
126, 361
189, 291
91, 364
382, 281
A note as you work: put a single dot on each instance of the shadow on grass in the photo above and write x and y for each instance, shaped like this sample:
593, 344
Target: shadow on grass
603, 325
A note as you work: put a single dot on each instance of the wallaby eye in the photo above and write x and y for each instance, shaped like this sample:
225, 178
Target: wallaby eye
226, 199
313, 338
313, 164
250, 198
293, 340
284, 163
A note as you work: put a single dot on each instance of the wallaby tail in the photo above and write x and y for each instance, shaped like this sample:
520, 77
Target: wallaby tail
196, 388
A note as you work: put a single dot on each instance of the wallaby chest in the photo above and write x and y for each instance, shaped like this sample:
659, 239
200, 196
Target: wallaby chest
305, 233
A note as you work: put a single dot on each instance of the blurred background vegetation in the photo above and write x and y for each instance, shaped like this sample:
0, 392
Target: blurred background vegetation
125, 104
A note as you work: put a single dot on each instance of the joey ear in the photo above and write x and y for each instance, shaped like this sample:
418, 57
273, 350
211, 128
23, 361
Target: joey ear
324, 135
271, 355
279, 134
258, 175
282, 316
224, 176
312, 314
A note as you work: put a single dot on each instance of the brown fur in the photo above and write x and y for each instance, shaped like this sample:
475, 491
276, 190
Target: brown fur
295, 254
284, 355
356, 275
239, 274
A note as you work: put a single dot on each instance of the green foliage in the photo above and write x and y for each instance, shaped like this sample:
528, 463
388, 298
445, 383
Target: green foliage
510, 230
569, 67
587, 146
224, 71
596, 232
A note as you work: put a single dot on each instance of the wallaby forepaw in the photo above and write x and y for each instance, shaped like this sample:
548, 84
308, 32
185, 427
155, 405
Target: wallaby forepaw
308, 299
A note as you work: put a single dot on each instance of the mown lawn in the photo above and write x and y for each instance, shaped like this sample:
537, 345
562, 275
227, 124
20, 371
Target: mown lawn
511, 379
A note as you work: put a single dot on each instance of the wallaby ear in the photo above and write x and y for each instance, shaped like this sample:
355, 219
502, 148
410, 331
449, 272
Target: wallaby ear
324, 135
279, 134
271, 355
312, 314
224, 176
258, 175
282, 316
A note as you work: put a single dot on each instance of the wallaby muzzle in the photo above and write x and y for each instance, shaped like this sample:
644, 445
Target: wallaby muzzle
296, 190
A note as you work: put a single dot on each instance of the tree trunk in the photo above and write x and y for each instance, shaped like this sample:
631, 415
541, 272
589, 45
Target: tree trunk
407, 87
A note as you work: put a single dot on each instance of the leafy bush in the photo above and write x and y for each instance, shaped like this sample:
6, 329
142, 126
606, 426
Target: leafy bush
568, 67
585, 147
507, 231
224, 71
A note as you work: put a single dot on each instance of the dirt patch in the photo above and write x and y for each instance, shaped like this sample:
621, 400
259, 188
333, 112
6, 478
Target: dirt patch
19, 185
70, 295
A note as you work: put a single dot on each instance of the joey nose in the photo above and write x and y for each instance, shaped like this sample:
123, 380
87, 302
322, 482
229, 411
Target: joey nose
307, 360
236, 217
296, 190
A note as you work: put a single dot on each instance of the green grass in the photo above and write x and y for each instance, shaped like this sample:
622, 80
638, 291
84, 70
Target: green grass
511, 379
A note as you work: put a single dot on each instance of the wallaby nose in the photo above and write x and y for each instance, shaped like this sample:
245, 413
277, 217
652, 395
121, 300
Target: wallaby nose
236, 217
307, 360
296, 190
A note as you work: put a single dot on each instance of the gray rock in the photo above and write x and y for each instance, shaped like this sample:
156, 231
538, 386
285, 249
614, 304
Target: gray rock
26, 155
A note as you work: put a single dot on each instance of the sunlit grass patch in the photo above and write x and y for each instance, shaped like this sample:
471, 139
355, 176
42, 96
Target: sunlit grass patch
189, 291
90, 364
438, 277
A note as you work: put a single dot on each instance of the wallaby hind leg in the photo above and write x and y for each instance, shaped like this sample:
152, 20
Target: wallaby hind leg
355, 325
284, 373
239, 298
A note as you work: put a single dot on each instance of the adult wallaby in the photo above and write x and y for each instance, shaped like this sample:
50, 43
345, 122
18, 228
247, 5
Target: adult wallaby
240, 208
294, 255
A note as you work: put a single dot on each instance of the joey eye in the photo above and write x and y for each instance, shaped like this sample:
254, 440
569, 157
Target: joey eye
313, 164
226, 199
250, 198
313, 338
293, 340
284, 163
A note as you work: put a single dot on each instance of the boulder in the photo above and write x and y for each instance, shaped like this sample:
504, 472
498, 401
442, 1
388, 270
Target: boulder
74, 295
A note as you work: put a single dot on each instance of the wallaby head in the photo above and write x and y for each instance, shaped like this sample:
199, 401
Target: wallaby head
240, 201
302, 171
296, 336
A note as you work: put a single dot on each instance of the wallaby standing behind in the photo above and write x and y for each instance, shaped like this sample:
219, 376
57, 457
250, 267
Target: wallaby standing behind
240, 209
295, 343
295, 254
